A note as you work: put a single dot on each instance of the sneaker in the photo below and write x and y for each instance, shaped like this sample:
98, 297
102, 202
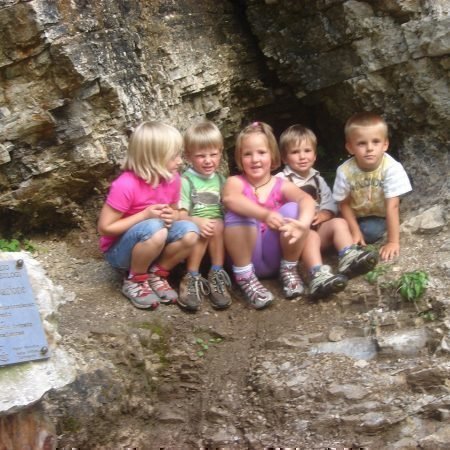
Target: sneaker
255, 293
357, 261
138, 291
219, 283
192, 289
324, 283
158, 282
291, 281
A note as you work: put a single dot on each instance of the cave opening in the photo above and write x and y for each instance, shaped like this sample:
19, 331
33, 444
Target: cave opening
287, 109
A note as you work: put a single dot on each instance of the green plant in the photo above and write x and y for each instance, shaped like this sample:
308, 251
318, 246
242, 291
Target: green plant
15, 245
9, 245
428, 315
377, 272
372, 248
28, 246
412, 285
203, 345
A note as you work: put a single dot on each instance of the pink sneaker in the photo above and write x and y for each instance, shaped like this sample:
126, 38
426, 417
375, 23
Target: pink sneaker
138, 291
157, 279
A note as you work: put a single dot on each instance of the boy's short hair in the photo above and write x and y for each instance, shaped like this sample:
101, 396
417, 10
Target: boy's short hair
263, 128
364, 119
296, 134
202, 135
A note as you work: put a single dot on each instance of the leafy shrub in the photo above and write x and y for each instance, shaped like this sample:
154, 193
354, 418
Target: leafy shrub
412, 285
15, 245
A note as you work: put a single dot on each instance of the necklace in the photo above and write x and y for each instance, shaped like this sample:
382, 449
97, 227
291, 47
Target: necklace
255, 187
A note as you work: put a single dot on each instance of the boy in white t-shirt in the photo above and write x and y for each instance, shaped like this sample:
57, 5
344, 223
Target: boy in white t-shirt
368, 186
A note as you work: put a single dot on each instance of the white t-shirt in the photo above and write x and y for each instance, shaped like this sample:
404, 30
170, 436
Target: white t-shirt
368, 190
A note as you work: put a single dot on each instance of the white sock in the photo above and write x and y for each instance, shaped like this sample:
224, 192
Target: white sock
288, 264
244, 271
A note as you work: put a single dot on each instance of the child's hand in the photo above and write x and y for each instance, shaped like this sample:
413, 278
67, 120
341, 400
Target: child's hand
293, 229
274, 220
168, 215
154, 211
389, 251
322, 216
206, 227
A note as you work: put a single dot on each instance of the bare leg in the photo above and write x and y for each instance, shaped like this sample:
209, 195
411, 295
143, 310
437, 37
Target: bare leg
335, 232
144, 253
196, 255
177, 251
216, 245
239, 242
311, 255
292, 252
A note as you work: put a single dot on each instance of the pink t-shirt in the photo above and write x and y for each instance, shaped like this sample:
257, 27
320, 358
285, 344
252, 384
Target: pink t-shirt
130, 194
274, 200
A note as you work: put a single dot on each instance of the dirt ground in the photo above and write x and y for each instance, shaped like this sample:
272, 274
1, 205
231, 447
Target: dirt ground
96, 308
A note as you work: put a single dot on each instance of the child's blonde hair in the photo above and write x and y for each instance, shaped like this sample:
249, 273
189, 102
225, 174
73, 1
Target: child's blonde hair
364, 119
152, 146
295, 135
263, 128
202, 135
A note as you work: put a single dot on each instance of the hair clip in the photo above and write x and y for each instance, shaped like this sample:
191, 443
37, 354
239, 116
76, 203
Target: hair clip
255, 124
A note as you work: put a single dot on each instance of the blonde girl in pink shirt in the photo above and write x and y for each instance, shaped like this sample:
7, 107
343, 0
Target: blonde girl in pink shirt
139, 226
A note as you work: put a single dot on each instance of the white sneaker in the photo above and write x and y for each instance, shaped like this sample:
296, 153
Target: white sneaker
291, 281
255, 293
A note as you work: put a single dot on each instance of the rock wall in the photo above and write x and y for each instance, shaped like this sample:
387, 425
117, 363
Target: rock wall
388, 56
75, 77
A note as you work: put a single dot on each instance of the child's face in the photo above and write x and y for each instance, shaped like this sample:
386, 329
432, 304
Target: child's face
174, 164
256, 158
367, 145
300, 157
205, 161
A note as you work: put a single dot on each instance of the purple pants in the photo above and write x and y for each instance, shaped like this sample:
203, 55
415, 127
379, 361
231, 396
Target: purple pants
266, 255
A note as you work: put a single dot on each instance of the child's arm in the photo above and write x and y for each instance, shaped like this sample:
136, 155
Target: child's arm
392, 247
327, 206
112, 223
205, 225
322, 215
349, 216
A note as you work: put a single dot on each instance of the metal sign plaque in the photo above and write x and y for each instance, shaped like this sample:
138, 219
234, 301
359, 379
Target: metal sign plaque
22, 336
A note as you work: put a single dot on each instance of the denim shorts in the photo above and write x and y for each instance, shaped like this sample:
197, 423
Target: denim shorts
372, 228
119, 254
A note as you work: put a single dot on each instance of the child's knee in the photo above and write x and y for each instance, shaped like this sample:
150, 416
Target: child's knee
159, 237
219, 227
338, 224
290, 210
149, 230
190, 239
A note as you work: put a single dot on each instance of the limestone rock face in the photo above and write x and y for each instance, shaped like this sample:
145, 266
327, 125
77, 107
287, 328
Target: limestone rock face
76, 77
